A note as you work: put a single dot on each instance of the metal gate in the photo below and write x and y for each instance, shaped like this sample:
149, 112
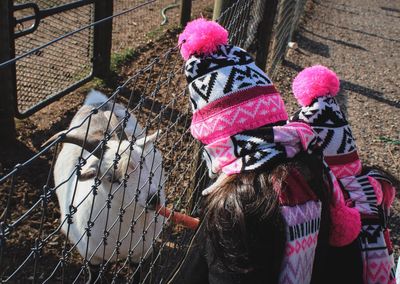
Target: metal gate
59, 68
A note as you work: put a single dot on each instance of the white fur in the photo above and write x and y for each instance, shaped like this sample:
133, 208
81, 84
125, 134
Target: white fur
65, 165
95, 97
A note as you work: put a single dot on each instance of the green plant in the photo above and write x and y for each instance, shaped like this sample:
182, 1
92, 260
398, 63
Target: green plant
389, 140
155, 33
118, 59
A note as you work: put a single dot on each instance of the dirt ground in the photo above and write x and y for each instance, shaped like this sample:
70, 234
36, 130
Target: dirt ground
361, 52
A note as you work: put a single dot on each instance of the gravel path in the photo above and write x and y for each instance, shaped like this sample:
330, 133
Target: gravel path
360, 40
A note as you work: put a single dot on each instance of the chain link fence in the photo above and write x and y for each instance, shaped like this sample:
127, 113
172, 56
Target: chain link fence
62, 64
129, 245
57, 226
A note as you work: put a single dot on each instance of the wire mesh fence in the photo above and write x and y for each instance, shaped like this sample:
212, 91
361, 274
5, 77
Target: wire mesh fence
92, 213
106, 219
238, 19
62, 64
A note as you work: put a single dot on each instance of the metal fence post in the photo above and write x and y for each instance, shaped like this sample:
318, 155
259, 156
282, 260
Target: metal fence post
186, 11
102, 40
220, 6
264, 34
7, 74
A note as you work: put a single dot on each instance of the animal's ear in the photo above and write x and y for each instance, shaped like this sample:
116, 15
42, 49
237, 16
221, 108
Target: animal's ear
144, 142
89, 172
52, 138
78, 138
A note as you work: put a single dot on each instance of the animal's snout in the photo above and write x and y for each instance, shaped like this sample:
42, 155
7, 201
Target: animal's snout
153, 201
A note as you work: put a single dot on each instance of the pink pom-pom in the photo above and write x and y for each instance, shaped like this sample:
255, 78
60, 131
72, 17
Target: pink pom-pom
202, 37
313, 82
345, 225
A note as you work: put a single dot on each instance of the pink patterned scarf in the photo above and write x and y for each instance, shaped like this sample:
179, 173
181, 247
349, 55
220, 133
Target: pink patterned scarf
258, 149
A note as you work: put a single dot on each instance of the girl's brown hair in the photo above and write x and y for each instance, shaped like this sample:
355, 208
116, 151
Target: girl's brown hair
243, 220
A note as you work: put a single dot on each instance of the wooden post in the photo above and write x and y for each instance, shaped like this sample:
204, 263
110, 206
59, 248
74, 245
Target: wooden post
186, 11
7, 74
102, 38
264, 34
220, 6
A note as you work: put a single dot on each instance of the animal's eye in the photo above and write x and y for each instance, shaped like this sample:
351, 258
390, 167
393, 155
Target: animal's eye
116, 181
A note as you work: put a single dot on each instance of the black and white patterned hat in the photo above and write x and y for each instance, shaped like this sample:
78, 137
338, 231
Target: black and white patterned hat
228, 92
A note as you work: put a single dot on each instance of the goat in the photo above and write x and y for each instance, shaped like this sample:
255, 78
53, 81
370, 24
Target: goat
115, 218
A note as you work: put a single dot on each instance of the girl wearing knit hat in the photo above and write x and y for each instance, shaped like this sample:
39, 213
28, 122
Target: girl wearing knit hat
275, 209
369, 191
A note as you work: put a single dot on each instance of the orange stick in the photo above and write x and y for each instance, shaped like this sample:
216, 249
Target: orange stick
179, 218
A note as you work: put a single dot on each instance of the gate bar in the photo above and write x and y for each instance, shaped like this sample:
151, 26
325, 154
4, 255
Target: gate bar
7, 75
41, 14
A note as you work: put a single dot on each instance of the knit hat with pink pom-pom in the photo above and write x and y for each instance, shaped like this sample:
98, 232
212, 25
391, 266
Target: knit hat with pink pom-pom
315, 88
228, 92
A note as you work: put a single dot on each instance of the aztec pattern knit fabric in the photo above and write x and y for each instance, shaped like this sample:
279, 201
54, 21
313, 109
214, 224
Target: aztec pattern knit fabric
368, 194
363, 192
258, 149
301, 211
334, 133
230, 94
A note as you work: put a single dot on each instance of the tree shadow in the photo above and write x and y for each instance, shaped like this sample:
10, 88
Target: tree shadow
337, 41
390, 9
312, 46
367, 92
360, 31
335, 8
291, 65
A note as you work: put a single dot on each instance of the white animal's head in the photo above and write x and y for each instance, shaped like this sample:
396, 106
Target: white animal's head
128, 158
138, 164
